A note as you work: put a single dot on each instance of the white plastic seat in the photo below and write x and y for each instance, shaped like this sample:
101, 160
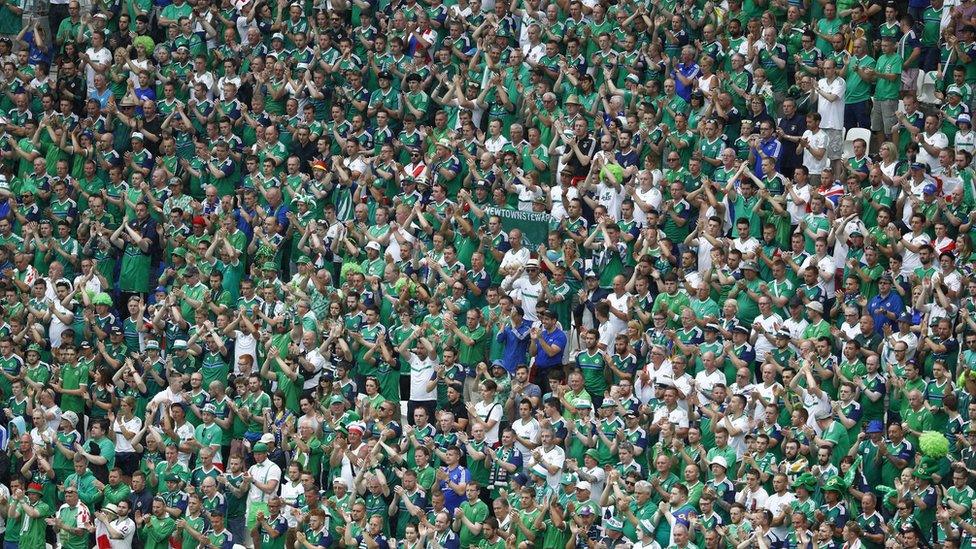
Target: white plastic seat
854, 134
926, 90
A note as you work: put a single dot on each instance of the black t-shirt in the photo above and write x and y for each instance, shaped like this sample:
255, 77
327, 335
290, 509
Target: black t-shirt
457, 408
586, 146
155, 127
790, 159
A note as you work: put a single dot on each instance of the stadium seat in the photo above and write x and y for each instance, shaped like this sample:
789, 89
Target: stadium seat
926, 90
852, 135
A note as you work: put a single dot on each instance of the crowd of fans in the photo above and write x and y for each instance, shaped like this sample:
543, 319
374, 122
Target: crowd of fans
487, 274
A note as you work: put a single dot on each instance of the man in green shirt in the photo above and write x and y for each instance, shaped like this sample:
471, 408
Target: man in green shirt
116, 490
82, 481
73, 520
670, 302
472, 515
272, 528
33, 512
157, 528
833, 434
857, 73
916, 417
887, 75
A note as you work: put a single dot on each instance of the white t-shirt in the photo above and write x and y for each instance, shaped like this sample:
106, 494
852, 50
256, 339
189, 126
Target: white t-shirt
646, 392
290, 493
823, 265
817, 141
966, 141
318, 362
676, 417
526, 196
753, 501
770, 324
768, 393
705, 253
185, 433
487, 412
528, 292
652, 197
831, 112
124, 526
611, 198
515, 257
556, 456
747, 246
840, 246
421, 371
775, 503
797, 211
133, 425
58, 327
619, 303
739, 441
244, 344
207, 79
527, 430
102, 57
911, 260
705, 382
938, 140
558, 211
263, 472
596, 486
494, 145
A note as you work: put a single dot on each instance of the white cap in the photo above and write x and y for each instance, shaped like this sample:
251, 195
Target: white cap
583, 485
71, 418
373, 245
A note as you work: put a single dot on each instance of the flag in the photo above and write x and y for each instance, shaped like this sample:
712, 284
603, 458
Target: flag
832, 193
102, 540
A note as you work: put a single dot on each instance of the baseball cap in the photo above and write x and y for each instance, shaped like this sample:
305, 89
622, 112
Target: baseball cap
70, 417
